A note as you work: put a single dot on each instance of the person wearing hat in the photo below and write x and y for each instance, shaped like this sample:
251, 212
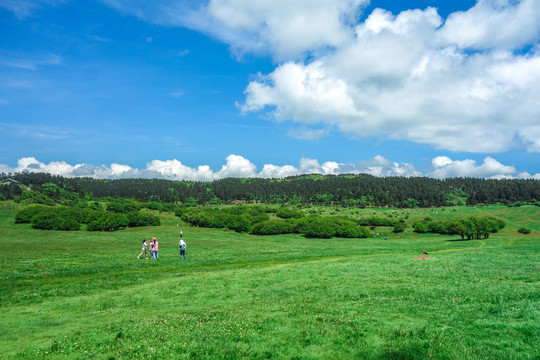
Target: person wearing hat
154, 243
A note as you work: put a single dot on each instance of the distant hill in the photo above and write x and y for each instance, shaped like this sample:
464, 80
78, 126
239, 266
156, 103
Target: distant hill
346, 190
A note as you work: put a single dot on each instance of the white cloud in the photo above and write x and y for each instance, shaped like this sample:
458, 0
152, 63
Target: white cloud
501, 24
236, 166
31, 164
274, 171
405, 77
465, 83
302, 93
444, 167
118, 169
174, 169
284, 29
526, 175
379, 166
289, 29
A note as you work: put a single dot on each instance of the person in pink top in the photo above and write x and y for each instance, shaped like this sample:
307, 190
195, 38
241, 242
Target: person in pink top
150, 245
155, 248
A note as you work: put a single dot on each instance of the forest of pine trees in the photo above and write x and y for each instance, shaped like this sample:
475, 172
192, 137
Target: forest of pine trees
345, 190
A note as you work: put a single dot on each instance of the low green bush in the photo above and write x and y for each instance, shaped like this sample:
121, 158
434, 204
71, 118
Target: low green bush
286, 213
137, 219
151, 205
274, 227
399, 227
109, 222
524, 230
238, 224
25, 215
123, 206
320, 228
54, 220
347, 228
437, 227
168, 207
420, 227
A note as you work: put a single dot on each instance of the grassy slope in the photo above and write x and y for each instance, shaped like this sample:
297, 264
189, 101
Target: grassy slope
84, 295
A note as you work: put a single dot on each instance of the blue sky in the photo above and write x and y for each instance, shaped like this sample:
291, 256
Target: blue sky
202, 90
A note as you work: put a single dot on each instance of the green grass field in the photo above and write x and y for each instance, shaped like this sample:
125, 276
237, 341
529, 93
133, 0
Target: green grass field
84, 295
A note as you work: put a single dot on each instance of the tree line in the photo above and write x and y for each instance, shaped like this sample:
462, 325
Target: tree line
343, 190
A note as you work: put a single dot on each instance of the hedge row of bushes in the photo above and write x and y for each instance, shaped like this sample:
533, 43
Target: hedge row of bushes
71, 218
472, 227
239, 219
377, 221
255, 220
126, 206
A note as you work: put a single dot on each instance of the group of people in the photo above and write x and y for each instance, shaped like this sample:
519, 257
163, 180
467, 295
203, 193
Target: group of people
154, 248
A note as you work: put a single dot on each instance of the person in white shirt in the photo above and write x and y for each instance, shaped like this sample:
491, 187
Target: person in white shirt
182, 245
143, 250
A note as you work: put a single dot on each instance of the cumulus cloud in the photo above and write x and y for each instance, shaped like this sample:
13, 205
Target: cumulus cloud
289, 29
281, 28
240, 167
466, 83
235, 166
407, 76
174, 169
526, 175
444, 167
499, 24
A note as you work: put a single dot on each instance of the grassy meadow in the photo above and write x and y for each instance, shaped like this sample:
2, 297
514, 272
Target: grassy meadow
84, 295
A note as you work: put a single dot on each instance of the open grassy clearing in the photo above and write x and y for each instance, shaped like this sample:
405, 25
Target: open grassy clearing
85, 295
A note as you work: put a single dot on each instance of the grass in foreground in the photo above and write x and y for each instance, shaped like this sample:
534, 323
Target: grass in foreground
85, 295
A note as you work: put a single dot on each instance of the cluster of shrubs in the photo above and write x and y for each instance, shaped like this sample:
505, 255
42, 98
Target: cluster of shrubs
255, 220
34, 197
286, 213
72, 218
240, 219
374, 221
377, 221
524, 230
313, 227
472, 227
